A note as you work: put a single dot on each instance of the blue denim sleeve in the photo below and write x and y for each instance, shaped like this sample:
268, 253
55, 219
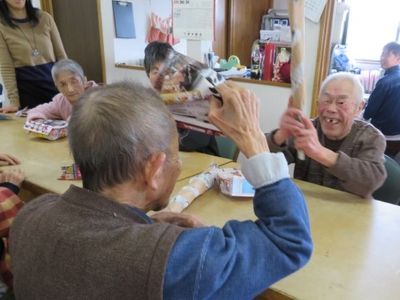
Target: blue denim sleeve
242, 259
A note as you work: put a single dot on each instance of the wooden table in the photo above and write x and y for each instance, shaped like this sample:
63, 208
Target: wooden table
356, 248
42, 159
356, 243
194, 163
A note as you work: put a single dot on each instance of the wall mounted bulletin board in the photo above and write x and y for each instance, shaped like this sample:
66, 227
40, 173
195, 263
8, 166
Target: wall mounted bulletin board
124, 21
130, 51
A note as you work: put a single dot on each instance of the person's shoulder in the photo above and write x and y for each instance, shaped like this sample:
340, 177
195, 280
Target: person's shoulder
360, 124
58, 98
45, 198
44, 16
368, 130
390, 74
40, 203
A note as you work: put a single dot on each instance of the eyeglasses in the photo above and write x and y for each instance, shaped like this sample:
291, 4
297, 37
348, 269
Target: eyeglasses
340, 101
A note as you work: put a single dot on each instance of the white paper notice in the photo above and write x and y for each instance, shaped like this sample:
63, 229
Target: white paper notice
193, 19
313, 9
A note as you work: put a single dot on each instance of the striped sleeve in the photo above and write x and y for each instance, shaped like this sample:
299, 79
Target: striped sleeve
10, 204
8, 72
59, 51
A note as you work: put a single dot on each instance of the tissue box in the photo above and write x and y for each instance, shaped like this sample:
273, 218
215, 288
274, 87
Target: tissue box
47, 129
232, 183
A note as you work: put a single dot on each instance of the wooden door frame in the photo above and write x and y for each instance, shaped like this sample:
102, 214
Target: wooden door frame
323, 53
47, 5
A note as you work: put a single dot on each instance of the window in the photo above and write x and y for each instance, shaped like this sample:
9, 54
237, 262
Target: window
371, 25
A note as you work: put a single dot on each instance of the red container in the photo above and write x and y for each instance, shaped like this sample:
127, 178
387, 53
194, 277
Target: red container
269, 57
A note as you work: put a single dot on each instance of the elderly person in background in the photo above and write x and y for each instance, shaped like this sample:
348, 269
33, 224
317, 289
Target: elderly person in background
155, 56
29, 46
383, 108
71, 82
342, 152
97, 242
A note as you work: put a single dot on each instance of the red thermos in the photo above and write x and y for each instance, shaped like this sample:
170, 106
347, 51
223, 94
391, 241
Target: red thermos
269, 57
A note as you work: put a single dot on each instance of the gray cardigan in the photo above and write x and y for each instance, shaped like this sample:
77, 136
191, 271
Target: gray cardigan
360, 166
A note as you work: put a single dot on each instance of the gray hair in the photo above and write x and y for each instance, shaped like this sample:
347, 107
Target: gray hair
114, 130
358, 89
67, 65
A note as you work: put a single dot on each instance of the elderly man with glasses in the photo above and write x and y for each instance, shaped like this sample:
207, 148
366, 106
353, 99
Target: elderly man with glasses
342, 152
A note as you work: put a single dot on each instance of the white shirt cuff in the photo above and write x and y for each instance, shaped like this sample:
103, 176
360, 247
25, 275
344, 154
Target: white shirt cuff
265, 168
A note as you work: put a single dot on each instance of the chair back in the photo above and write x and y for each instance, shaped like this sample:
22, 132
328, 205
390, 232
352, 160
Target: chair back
390, 190
227, 148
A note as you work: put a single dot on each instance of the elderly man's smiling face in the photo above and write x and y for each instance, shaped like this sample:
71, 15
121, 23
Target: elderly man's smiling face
337, 108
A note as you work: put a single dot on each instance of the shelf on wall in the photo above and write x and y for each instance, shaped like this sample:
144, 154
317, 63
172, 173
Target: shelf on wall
245, 80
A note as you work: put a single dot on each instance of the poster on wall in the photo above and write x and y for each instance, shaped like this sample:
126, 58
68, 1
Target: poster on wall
193, 19
313, 9
123, 20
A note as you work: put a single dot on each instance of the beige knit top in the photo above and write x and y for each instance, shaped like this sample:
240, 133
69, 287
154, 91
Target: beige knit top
16, 46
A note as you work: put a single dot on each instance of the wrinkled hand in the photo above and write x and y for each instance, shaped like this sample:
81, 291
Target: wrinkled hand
6, 159
9, 109
290, 122
306, 139
14, 176
238, 118
180, 219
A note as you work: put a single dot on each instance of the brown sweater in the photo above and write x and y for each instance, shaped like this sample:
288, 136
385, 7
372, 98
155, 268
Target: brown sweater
81, 245
359, 168
16, 50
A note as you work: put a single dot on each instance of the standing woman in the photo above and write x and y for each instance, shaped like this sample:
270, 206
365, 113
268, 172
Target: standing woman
29, 45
